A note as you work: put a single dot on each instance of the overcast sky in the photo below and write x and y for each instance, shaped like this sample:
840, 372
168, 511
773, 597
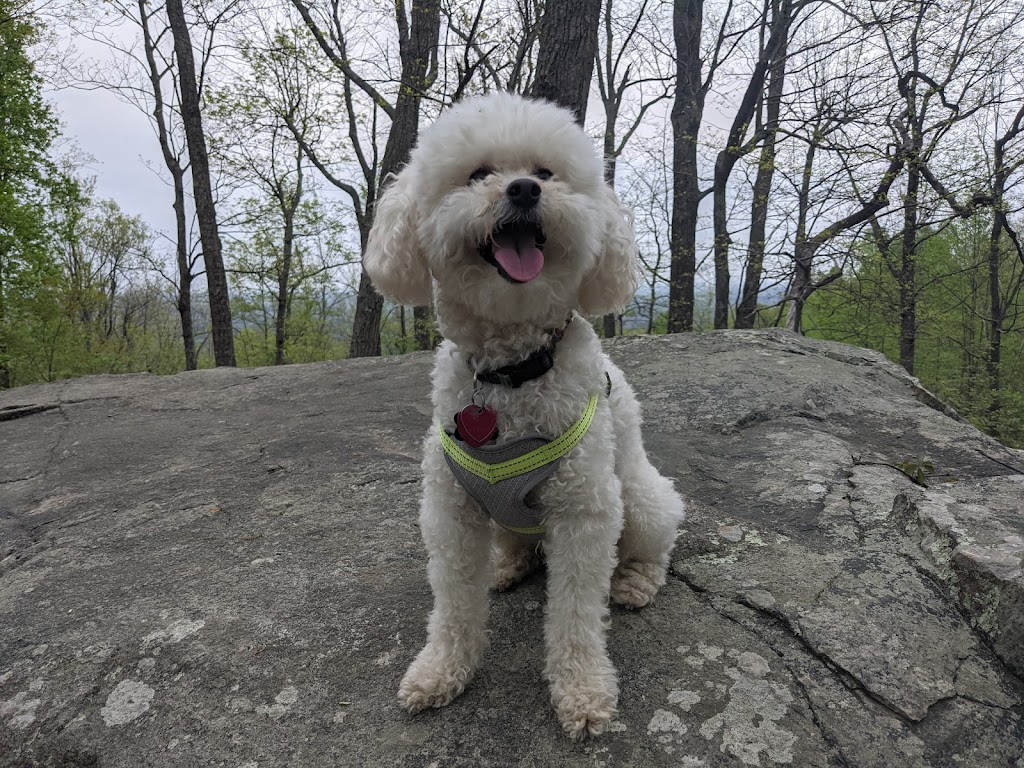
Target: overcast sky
121, 141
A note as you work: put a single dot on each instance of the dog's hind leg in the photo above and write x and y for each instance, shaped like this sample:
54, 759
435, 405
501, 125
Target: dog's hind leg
457, 535
652, 508
653, 511
514, 558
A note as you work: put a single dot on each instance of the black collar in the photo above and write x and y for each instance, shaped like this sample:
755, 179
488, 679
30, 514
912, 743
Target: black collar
534, 366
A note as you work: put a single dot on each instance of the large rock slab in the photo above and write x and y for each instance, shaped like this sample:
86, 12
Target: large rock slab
223, 568
973, 534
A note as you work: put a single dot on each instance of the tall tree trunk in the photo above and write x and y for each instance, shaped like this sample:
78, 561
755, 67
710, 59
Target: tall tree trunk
774, 51
188, 335
803, 250
908, 272
366, 325
289, 200
993, 353
283, 275
746, 311
418, 45
423, 327
997, 305
173, 164
565, 59
803, 261
5, 371
608, 321
206, 213
687, 110
993, 357
722, 242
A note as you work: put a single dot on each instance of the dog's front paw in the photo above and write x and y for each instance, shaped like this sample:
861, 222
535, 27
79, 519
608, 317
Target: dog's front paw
433, 680
585, 701
635, 583
586, 712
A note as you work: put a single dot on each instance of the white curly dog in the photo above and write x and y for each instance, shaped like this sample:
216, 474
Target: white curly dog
503, 220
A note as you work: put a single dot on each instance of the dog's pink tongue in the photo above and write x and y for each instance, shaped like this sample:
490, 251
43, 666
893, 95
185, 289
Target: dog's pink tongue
519, 256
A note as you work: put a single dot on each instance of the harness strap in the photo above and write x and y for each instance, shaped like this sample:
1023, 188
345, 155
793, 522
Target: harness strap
538, 457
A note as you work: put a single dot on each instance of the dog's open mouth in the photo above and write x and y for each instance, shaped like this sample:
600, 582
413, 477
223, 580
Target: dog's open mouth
516, 249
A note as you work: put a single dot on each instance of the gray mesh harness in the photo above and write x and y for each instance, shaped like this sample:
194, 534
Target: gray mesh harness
500, 477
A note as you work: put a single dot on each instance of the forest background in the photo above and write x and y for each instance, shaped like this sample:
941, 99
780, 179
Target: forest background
850, 171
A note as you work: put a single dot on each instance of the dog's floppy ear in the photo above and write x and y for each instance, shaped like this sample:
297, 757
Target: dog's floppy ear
393, 258
612, 283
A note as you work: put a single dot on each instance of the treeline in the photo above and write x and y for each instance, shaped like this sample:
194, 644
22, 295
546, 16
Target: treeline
848, 171
958, 357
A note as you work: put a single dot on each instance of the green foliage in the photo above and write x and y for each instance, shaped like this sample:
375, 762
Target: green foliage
27, 268
953, 334
316, 317
103, 317
919, 471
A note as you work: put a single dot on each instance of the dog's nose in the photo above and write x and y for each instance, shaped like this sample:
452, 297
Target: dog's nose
524, 193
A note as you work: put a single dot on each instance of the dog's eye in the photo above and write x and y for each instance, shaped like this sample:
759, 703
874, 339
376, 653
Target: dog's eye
543, 174
480, 174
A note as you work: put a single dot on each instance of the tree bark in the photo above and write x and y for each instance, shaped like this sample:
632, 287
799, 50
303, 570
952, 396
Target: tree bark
611, 114
565, 60
418, 42
774, 51
687, 110
206, 213
423, 327
5, 371
803, 251
184, 303
907, 278
746, 310
366, 326
993, 356
283, 276
173, 163
997, 305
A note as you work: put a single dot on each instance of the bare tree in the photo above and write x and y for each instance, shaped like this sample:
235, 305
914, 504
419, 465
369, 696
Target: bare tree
941, 81
807, 245
695, 73
1001, 301
621, 78
258, 124
490, 46
1003, 159
206, 212
647, 190
418, 32
845, 171
777, 17
143, 74
771, 103
162, 116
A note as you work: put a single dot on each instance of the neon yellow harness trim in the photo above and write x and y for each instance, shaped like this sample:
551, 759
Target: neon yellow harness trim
528, 462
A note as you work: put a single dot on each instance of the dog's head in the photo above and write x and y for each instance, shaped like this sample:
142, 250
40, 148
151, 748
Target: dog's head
504, 204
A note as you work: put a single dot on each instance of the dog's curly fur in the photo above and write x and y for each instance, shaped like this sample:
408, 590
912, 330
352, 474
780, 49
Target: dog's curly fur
611, 517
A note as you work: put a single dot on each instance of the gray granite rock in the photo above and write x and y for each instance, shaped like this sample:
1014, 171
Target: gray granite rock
972, 532
223, 568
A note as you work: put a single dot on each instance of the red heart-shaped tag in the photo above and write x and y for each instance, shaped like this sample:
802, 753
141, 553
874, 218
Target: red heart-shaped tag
476, 425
